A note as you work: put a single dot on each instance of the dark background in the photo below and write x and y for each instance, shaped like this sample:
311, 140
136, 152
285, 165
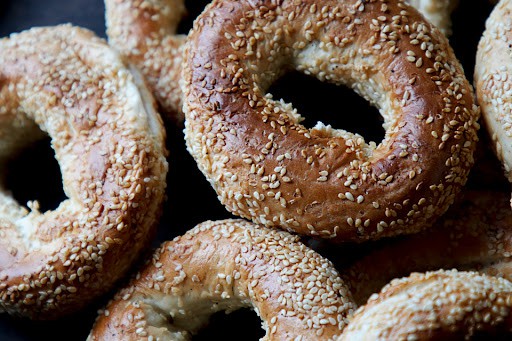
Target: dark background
187, 206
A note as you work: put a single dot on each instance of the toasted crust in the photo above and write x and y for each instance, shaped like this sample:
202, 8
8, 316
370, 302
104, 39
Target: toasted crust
227, 265
267, 167
144, 32
442, 305
109, 143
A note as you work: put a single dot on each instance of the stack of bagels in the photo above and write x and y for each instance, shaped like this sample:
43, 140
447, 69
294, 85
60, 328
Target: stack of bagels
446, 272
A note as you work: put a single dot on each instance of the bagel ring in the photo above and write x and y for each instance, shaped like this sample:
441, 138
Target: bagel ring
493, 70
227, 265
109, 142
441, 305
324, 182
144, 32
474, 235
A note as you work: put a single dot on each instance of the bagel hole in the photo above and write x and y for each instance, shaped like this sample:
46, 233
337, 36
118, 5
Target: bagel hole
240, 324
338, 106
34, 174
194, 8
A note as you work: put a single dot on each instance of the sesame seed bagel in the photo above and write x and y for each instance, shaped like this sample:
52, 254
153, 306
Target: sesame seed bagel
437, 12
227, 265
473, 235
144, 32
109, 143
492, 81
325, 182
442, 305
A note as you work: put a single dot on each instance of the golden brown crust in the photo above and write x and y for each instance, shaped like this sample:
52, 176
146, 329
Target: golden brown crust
267, 167
227, 265
473, 235
493, 81
442, 305
109, 142
144, 32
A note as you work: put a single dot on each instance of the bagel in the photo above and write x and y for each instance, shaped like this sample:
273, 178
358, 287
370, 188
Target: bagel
267, 167
474, 235
109, 143
492, 81
442, 305
144, 32
227, 265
